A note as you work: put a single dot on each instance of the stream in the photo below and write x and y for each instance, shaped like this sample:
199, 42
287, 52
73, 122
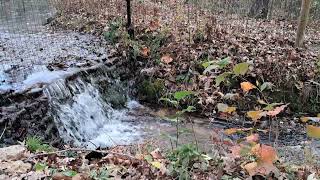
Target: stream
67, 89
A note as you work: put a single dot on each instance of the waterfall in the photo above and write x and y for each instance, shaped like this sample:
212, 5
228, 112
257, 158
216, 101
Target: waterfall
84, 118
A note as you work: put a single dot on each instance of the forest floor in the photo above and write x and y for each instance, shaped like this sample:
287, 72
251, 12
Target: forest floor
224, 67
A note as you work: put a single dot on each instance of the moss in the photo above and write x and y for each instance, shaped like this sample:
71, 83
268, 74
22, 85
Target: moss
151, 90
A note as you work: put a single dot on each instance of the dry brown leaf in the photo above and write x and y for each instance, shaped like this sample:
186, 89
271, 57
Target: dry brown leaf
156, 154
277, 110
260, 168
145, 51
253, 138
166, 59
247, 86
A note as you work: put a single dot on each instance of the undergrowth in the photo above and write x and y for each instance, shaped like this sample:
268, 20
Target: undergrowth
35, 144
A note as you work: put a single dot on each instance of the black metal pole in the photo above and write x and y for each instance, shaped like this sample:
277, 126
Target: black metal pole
130, 28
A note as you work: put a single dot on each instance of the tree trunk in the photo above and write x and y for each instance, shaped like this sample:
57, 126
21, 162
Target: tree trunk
270, 9
303, 21
130, 27
259, 9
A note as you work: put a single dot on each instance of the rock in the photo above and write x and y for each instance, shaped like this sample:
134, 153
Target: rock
15, 152
15, 167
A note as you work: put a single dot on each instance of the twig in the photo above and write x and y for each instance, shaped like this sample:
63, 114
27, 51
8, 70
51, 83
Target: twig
80, 149
5, 128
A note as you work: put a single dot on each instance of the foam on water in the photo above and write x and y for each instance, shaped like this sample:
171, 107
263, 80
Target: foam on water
85, 119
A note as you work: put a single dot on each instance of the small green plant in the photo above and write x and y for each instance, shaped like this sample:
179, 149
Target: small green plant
176, 102
101, 174
184, 159
113, 32
35, 144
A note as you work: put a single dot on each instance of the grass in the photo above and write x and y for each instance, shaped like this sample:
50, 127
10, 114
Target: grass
35, 144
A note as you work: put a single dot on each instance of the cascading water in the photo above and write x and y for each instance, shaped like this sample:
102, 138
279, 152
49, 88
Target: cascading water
84, 118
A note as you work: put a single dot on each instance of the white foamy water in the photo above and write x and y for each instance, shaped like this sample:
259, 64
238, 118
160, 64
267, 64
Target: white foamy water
85, 119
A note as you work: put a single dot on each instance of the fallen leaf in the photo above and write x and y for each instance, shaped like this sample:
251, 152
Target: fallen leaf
265, 154
260, 168
277, 110
230, 131
156, 154
253, 138
241, 68
313, 131
225, 108
247, 86
145, 51
156, 164
166, 59
256, 115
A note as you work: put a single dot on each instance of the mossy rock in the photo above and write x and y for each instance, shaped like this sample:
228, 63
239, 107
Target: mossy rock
151, 90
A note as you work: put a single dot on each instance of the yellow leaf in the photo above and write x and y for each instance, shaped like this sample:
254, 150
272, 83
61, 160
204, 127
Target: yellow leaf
225, 108
230, 110
230, 131
256, 115
156, 164
313, 131
166, 59
247, 86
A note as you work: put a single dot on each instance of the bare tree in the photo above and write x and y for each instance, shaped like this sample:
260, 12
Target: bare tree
259, 9
303, 21
130, 27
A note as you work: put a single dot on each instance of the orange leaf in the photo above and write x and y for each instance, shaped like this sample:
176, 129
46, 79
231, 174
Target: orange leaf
277, 110
256, 115
247, 86
145, 51
313, 131
166, 59
265, 154
252, 138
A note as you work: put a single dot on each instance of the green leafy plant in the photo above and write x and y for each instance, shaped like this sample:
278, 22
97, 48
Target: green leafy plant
35, 144
238, 69
113, 33
176, 102
69, 173
184, 159
40, 166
